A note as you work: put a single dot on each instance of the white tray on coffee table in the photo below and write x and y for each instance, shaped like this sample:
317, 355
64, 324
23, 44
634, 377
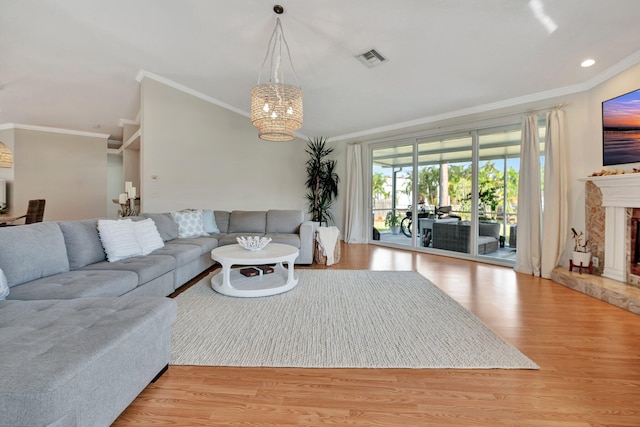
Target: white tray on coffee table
230, 282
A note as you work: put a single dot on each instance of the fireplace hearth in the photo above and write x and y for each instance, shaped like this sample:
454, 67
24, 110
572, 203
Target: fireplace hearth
616, 293
613, 226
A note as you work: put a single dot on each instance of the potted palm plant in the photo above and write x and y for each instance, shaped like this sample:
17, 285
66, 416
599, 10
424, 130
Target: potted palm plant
322, 180
393, 222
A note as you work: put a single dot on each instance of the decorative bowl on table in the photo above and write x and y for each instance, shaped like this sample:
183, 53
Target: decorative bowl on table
253, 243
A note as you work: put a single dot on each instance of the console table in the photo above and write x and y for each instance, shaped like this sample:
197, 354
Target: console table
8, 217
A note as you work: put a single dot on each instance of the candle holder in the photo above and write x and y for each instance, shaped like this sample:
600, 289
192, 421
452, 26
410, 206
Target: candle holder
133, 211
129, 208
127, 201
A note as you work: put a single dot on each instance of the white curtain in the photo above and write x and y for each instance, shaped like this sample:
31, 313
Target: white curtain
554, 219
355, 213
529, 200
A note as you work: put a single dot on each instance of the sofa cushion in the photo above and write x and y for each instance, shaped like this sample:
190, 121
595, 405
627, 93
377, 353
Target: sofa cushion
29, 252
79, 362
146, 267
77, 284
83, 242
147, 236
118, 239
247, 222
285, 239
222, 220
190, 223
284, 221
166, 225
182, 252
489, 229
206, 244
231, 238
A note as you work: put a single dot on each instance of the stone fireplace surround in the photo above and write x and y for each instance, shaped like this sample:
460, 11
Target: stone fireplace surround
634, 244
620, 194
611, 214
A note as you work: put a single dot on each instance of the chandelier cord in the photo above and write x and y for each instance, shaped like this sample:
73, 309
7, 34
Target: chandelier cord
271, 50
266, 56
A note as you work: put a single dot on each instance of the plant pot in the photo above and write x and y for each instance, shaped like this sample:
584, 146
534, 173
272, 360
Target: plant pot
581, 258
395, 229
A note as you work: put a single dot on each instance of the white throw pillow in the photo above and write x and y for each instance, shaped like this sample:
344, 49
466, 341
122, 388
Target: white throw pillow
118, 239
190, 223
148, 236
4, 286
209, 219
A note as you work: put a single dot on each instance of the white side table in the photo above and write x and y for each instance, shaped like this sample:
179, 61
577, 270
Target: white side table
230, 282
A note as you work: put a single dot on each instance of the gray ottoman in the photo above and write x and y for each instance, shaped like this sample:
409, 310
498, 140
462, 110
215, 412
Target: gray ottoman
79, 362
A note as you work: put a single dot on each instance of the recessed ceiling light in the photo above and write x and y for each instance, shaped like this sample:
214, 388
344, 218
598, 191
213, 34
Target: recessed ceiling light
587, 63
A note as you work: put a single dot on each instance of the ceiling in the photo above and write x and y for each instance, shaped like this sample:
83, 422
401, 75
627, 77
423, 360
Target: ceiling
73, 63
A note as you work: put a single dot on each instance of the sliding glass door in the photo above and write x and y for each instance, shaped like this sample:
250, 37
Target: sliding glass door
444, 186
462, 198
392, 194
498, 173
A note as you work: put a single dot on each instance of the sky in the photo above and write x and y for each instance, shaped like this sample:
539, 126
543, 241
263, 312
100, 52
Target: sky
623, 111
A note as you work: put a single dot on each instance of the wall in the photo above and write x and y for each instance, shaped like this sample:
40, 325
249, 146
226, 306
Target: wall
68, 170
115, 183
195, 154
586, 196
626, 81
339, 206
586, 141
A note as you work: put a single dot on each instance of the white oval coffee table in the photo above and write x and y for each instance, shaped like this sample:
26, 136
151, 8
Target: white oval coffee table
230, 282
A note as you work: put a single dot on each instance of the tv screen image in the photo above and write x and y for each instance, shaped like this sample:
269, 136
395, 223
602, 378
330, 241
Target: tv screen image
621, 129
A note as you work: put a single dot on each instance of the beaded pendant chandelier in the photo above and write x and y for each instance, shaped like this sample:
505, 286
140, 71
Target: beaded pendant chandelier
276, 107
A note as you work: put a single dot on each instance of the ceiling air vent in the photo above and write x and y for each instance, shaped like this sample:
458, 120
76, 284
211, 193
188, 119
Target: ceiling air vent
371, 58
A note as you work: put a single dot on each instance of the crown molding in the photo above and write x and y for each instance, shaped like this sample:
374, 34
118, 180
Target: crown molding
142, 74
123, 122
54, 130
615, 69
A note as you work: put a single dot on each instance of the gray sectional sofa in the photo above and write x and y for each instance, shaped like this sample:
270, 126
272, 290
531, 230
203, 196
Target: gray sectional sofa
81, 337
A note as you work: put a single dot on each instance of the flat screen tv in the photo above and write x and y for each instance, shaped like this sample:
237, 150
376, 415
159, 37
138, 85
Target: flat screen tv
621, 129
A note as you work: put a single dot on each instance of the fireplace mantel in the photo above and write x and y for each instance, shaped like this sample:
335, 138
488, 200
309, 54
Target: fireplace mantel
619, 192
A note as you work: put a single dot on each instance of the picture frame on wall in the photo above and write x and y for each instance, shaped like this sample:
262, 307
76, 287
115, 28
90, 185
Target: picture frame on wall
621, 129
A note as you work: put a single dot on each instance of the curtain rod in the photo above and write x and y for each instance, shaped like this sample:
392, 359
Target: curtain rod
548, 108
513, 114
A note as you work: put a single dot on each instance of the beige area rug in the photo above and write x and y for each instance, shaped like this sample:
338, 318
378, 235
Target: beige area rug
338, 319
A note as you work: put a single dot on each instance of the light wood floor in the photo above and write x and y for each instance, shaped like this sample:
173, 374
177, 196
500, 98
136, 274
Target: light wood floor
588, 351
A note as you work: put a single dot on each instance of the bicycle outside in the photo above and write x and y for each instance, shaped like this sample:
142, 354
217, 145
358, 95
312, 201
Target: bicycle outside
405, 224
